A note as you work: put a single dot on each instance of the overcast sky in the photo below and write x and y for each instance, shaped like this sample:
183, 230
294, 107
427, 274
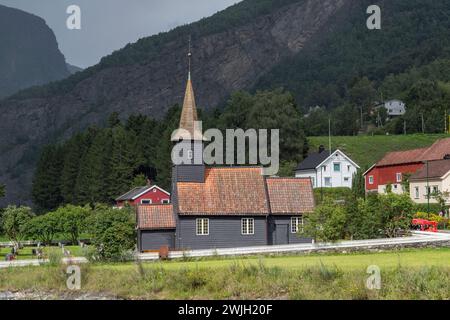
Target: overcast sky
108, 25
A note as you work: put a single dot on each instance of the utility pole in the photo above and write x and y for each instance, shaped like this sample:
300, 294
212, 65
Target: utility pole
423, 123
445, 122
329, 134
362, 120
428, 193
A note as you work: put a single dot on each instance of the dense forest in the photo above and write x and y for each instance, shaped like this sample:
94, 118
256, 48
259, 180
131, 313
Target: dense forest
351, 68
100, 164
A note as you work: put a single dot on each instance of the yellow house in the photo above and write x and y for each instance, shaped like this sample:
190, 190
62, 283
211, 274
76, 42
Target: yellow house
433, 178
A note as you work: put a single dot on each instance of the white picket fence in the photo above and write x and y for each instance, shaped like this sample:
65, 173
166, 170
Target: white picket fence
417, 237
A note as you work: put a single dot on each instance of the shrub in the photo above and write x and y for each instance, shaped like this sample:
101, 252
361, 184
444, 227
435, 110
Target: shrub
326, 223
338, 194
396, 212
113, 233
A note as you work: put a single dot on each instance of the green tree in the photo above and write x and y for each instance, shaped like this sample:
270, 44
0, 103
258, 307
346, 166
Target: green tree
43, 228
74, 151
358, 184
113, 232
72, 221
46, 189
139, 181
326, 223
125, 158
92, 184
363, 218
396, 212
14, 221
2, 191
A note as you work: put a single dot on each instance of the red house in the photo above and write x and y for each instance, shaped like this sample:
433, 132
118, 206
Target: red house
144, 195
391, 169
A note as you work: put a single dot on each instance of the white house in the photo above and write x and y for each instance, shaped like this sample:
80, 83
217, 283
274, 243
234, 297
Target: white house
433, 178
328, 169
394, 107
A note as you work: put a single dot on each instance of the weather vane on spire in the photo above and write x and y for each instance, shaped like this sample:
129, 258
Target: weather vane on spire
189, 58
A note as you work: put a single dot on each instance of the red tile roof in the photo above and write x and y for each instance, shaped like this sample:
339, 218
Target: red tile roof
226, 191
436, 169
290, 195
402, 157
155, 216
437, 151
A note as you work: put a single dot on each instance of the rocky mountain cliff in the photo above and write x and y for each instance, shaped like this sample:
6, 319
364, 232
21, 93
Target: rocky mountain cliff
313, 48
29, 53
223, 62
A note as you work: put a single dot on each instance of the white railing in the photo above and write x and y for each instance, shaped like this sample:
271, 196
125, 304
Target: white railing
416, 238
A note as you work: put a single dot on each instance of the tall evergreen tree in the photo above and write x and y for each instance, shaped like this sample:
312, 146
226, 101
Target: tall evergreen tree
125, 158
92, 185
46, 189
74, 149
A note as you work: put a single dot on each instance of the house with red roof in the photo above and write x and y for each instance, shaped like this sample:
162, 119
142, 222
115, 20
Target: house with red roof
222, 207
395, 166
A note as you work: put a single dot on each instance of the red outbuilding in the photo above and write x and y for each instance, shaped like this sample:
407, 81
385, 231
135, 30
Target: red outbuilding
395, 165
144, 195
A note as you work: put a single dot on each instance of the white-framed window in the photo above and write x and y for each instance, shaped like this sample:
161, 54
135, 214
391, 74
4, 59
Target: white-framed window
370, 179
296, 224
165, 201
327, 182
337, 167
349, 168
247, 226
202, 227
154, 190
399, 177
146, 201
346, 179
416, 193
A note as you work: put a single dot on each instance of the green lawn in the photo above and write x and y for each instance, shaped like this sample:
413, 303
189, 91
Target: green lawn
389, 259
406, 274
367, 150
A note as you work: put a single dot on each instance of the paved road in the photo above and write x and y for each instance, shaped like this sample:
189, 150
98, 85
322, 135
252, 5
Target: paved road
36, 262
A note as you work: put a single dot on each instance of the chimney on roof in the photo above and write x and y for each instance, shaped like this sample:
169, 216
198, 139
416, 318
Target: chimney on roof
321, 148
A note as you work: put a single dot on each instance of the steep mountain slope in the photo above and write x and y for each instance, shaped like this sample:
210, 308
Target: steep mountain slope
130, 81
314, 48
29, 53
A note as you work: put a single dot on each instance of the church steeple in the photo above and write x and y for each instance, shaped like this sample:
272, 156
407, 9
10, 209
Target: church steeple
187, 152
189, 111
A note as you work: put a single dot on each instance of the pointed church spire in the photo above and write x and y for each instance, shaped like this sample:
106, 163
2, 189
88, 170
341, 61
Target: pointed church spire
189, 111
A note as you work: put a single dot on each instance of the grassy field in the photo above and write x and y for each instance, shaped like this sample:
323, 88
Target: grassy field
405, 274
367, 150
